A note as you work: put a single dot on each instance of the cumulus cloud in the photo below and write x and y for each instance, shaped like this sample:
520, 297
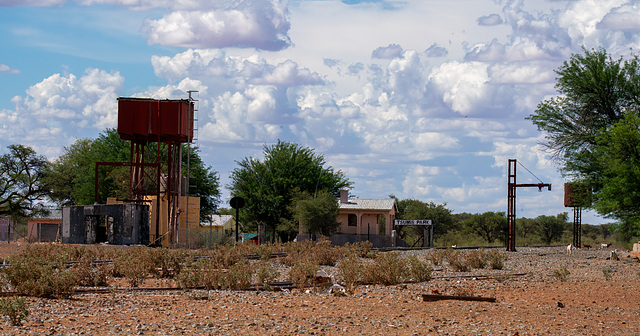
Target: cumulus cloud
259, 24
624, 18
61, 101
436, 51
388, 52
210, 64
462, 85
490, 20
8, 69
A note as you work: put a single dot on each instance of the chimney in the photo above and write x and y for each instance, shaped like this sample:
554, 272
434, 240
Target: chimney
344, 196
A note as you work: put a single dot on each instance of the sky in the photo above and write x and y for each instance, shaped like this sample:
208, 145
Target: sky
421, 99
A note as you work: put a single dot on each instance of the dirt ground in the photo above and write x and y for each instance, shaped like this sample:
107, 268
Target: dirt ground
599, 297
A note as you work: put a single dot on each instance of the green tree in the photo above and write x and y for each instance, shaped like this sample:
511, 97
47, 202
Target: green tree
550, 228
443, 220
22, 181
204, 182
618, 196
268, 186
586, 126
317, 215
489, 225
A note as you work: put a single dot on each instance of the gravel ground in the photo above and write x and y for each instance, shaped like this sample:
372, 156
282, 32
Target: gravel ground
529, 301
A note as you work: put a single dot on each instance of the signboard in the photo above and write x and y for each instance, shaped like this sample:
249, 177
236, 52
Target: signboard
412, 222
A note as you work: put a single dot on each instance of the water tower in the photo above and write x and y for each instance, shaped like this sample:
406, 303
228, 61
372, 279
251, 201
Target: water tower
577, 196
156, 129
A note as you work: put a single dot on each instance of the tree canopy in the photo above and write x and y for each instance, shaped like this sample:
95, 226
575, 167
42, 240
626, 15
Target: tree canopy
443, 220
268, 186
589, 128
22, 181
489, 225
317, 215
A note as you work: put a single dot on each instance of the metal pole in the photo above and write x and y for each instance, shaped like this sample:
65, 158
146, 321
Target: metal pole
237, 214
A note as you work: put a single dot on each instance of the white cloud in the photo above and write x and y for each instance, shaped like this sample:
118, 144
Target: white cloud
582, 18
261, 24
214, 66
389, 52
490, 20
462, 85
624, 18
7, 69
61, 105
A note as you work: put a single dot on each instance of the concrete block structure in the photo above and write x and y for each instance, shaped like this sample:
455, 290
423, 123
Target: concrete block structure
117, 224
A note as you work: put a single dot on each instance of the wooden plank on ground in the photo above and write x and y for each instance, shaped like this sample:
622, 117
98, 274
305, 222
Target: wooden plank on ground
438, 297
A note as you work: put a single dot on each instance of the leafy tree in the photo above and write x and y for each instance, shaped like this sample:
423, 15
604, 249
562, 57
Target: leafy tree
318, 215
443, 220
22, 181
489, 225
585, 127
618, 196
550, 228
204, 183
73, 175
268, 186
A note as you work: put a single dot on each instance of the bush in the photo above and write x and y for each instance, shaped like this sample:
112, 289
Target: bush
303, 273
561, 274
350, 269
458, 262
476, 259
387, 269
15, 309
238, 276
419, 270
496, 259
91, 275
438, 256
266, 273
33, 276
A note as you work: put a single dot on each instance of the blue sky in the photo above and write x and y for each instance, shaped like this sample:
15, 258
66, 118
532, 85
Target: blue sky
419, 99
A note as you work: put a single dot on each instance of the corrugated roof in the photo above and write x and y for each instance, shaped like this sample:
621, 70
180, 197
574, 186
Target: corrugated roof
218, 220
369, 204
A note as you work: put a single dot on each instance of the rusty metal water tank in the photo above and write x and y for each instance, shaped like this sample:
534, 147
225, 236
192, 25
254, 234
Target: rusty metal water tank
576, 195
147, 119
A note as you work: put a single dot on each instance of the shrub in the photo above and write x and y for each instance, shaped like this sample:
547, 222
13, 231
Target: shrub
303, 272
266, 273
238, 276
607, 273
439, 256
15, 309
496, 259
561, 274
264, 251
419, 270
350, 269
88, 274
135, 265
30, 275
476, 259
387, 269
458, 262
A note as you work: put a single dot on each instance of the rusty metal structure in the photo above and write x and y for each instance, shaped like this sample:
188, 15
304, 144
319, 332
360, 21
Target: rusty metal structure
577, 196
156, 129
511, 202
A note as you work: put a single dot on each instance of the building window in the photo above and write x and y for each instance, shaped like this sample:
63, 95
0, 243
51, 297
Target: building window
353, 220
